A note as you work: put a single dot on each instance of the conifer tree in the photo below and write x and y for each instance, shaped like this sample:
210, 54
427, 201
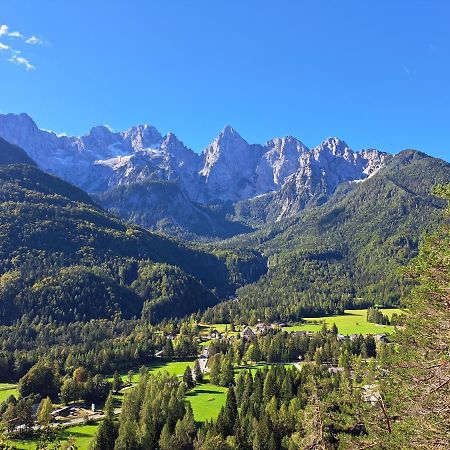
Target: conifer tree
226, 372
198, 375
187, 378
165, 440
107, 430
417, 391
44, 414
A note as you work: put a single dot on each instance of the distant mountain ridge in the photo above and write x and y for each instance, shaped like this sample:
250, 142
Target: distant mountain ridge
229, 170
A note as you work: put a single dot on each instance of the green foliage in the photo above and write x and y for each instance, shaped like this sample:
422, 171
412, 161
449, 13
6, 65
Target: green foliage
346, 252
107, 430
154, 413
416, 392
40, 380
11, 154
64, 259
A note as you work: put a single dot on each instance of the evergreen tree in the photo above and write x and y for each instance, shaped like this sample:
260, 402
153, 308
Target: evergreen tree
107, 430
117, 382
226, 372
198, 375
417, 391
165, 440
44, 414
187, 378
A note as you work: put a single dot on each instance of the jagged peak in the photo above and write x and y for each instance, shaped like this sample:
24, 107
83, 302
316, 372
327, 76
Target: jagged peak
229, 133
171, 139
100, 131
335, 146
22, 118
286, 140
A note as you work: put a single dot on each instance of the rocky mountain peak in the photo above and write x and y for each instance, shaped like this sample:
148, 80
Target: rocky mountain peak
100, 132
142, 136
334, 146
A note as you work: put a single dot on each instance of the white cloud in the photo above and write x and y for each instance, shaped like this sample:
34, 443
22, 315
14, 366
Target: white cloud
21, 61
7, 37
33, 40
16, 34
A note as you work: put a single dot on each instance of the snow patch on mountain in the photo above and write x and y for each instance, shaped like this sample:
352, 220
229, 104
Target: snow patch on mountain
229, 169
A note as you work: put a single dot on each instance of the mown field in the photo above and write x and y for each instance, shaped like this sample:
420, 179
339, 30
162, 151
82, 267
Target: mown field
83, 435
6, 390
354, 321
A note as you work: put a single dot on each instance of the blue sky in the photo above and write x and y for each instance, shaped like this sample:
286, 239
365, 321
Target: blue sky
374, 73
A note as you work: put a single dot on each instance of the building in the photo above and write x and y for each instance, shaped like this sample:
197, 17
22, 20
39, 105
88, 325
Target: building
215, 334
262, 327
247, 333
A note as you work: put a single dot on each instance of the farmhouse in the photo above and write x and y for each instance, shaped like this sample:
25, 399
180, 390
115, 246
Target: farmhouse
247, 333
262, 327
215, 334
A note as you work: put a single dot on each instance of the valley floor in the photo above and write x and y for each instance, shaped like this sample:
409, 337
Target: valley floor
207, 399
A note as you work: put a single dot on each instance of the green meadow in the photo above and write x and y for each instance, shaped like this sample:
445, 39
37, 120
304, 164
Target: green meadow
354, 321
6, 390
83, 435
206, 400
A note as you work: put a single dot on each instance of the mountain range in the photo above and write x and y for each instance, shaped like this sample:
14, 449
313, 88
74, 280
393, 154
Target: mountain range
323, 230
157, 182
64, 258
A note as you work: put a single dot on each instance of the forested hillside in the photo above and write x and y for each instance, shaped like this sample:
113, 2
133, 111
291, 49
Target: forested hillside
64, 258
348, 251
162, 205
11, 154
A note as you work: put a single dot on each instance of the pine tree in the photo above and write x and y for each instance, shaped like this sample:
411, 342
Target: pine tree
165, 440
117, 382
214, 368
187, 378
107, 430
44, 414
417, 391
226, 421
226, 372
198, 375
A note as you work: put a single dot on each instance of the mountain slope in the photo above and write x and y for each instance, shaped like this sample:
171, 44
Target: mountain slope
349, 250
288, 175
59, 251
162, 205
11, 154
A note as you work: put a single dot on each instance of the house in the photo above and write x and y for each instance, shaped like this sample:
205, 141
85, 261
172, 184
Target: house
247, 333
341, 337
335, 370
204, 353
262, 327
215, 334
171, 336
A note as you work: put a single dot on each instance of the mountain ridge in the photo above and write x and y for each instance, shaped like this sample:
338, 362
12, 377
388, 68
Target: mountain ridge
249, 184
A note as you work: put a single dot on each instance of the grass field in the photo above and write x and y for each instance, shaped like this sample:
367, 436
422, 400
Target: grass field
354, 321
6, 390
206, 401
83, 435
172, 367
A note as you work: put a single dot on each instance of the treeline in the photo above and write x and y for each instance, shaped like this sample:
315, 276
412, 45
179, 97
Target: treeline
154, 415
324, 347
63, 259
346, 253
100, 346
